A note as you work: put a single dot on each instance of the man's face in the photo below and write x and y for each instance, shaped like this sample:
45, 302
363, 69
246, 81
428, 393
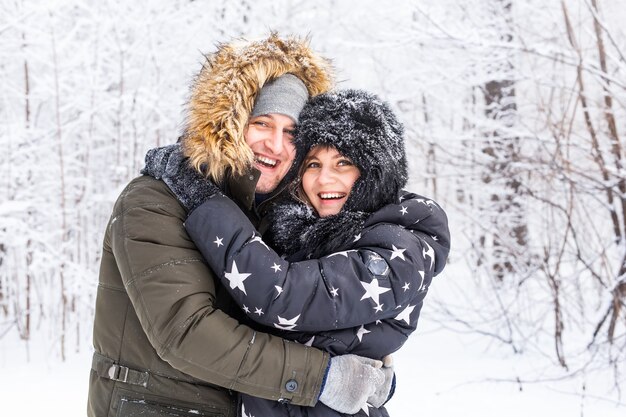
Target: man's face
270, 136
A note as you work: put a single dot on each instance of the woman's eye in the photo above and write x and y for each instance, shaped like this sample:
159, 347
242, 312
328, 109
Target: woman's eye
313, 165
345, 162
260, 123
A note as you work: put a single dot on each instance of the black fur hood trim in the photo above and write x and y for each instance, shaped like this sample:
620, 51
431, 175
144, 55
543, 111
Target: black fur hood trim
362, 127
295, 230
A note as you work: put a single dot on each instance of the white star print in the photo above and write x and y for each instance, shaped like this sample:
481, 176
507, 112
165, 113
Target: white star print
310, 342
285, 324
379, 307
258, 311
279, 289
357, 237
361, 332
372, 290
397, 253
378, 322
405, 314
422, 279
430, 253
403, 210
276, 267
435, 238
218, 241
246, 309
427, 202
365, 409
243, 411
236, 278
406, 286
334, 292
258, 239
344, 253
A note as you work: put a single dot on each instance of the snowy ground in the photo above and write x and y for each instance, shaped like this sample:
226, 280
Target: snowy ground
440, 373
446, 374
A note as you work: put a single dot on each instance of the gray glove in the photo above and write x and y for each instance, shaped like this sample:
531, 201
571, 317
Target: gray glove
351, 380
382, 393
170, 165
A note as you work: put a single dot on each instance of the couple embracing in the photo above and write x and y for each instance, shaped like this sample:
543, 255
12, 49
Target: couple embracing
270, 262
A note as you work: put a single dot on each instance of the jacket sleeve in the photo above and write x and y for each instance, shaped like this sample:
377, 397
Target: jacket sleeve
380, 278
174, 295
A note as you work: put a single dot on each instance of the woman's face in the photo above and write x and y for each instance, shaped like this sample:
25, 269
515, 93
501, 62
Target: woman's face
327, 179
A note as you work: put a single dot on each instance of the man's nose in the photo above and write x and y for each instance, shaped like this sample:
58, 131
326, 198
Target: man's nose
276, 141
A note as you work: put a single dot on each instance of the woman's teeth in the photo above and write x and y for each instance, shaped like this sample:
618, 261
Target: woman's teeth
331, 196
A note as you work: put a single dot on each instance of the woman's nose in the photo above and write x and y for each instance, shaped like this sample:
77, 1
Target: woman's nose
326, 176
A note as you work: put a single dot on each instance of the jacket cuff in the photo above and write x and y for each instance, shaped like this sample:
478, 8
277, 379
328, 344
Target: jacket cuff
324, 381
304, 374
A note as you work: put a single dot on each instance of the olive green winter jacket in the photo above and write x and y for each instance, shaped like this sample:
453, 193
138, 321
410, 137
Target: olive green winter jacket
165, 339
161, 325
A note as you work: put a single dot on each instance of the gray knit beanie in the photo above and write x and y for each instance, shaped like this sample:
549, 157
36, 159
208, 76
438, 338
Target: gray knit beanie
286, 95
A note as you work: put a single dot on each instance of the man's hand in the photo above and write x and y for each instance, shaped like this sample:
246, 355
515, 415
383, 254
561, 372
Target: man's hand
383, 391
169, 164
351, 380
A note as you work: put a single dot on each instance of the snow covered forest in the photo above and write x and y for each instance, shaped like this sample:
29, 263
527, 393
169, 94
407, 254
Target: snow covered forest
514, 112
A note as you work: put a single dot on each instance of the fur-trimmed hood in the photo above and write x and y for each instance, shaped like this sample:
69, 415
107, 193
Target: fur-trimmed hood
363, 128
224, 92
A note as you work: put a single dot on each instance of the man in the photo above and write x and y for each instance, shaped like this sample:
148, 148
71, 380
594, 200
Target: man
164, 342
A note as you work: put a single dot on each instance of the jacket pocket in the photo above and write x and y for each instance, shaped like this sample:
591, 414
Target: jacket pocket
129, 407
135, 404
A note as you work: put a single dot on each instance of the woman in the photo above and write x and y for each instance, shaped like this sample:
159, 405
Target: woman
358, 253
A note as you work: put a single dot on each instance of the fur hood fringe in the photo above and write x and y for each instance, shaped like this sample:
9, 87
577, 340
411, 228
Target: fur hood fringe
223, 95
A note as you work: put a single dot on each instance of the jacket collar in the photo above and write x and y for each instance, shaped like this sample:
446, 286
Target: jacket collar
241, 188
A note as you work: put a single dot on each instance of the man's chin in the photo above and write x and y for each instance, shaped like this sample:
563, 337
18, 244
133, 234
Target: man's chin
265, 186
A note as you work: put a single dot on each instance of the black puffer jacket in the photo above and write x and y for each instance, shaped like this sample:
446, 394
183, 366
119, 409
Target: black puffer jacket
365, 298
354, 282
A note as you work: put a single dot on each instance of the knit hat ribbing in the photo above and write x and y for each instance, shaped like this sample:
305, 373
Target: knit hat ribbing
286, 95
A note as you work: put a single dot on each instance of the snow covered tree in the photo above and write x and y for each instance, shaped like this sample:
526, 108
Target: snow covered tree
514, 117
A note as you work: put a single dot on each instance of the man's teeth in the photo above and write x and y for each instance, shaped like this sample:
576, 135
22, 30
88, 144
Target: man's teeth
266, 161
325, 196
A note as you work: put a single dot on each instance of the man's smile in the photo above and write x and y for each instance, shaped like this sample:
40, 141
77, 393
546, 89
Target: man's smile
265, 161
